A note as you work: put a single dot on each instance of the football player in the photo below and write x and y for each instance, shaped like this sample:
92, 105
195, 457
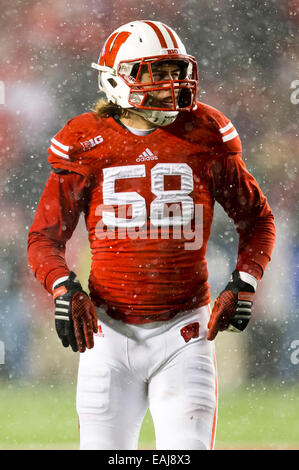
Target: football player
145, 167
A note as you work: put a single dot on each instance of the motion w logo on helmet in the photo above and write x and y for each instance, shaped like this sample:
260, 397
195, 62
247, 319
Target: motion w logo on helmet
111, 48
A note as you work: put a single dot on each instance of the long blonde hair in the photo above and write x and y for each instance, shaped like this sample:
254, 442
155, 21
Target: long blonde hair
105, 109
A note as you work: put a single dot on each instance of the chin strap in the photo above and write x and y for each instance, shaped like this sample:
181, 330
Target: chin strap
159, 118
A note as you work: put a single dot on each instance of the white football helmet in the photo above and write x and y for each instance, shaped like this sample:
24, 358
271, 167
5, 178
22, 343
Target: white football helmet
138, 47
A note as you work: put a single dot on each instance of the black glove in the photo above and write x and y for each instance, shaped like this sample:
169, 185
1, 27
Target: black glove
232, 309
75, 315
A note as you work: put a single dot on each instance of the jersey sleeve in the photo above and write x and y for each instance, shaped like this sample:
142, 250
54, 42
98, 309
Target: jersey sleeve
215, 132
226, 136
57, 215
229, 138
66, 151
241, 197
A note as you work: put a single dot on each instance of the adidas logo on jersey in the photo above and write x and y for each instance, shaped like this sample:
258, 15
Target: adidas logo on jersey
146, 156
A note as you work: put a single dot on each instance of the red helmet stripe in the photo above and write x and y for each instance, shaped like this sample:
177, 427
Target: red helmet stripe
175, 44
159, 34
109, 53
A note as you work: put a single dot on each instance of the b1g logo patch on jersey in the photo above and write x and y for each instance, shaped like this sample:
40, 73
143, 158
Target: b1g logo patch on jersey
89, 144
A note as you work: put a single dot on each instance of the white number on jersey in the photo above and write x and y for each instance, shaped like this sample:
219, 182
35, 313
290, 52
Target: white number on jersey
159, 209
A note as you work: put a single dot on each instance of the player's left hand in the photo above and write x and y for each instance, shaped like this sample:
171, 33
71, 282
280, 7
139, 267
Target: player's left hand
232, 309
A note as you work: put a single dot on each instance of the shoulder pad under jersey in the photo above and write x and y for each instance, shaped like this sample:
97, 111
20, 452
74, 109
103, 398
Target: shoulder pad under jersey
69, 147
212, 128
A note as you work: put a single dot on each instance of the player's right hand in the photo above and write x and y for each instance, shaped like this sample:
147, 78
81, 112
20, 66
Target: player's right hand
232, 309
75, 315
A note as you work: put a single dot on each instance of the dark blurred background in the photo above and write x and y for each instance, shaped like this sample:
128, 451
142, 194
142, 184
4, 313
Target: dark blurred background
247, 53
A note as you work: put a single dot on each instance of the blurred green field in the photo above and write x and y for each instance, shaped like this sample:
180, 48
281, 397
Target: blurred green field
44, 417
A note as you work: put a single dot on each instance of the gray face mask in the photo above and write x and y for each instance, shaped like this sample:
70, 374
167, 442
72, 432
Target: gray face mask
159, 118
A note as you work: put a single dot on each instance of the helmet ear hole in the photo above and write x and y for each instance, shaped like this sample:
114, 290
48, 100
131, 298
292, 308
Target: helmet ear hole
112, 82
185, 98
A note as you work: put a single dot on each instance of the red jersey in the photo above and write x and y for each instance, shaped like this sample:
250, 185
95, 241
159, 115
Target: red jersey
148, 203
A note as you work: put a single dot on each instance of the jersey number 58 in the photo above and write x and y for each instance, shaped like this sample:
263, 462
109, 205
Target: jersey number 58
159, 207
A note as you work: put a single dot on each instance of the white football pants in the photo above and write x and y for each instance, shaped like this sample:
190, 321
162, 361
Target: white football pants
135, 367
